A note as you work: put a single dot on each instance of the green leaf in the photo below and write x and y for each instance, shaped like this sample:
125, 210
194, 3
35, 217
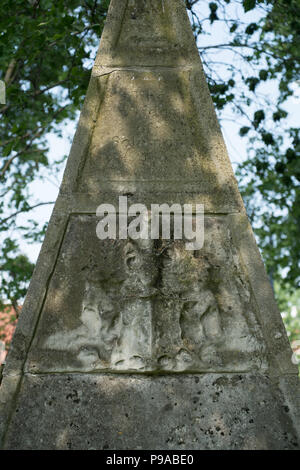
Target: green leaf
244, 131
263, 74
251, 28
213, 12
259, 116
249, 5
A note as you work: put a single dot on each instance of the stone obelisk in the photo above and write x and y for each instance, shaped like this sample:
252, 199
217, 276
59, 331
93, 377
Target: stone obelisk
142, 344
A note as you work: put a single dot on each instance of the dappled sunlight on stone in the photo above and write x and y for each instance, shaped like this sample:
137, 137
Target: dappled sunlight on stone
145, 344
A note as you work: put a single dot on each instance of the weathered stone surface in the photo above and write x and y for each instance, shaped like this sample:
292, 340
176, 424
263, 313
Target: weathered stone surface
147, 33
142, 344
147, 305
210, 411
150, 134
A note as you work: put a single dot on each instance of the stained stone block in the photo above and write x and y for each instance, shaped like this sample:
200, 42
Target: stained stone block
153, 33
143, 344
206, 411
147, 305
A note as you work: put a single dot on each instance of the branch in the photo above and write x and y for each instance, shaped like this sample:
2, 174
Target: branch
9, 71
39, 92
9, 162
37, 134
233, 45
26, 210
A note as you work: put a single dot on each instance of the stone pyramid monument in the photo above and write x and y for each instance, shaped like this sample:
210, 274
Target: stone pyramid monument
142, 344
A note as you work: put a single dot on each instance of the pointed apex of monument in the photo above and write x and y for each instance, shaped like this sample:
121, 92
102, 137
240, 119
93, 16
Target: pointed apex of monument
147, 33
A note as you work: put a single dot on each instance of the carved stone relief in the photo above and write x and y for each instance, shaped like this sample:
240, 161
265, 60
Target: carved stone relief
150, 305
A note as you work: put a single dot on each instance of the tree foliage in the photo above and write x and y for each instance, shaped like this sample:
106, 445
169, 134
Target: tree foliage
46, 51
